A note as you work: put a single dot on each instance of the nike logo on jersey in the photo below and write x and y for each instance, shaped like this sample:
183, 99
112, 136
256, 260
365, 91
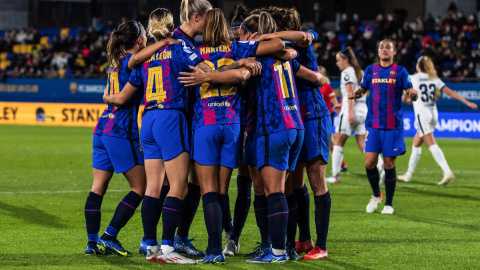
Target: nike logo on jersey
395, 149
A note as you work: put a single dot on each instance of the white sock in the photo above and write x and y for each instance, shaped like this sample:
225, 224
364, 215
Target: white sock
414, 158
380, 163
166, 249
278, 252
337, 157
439, 158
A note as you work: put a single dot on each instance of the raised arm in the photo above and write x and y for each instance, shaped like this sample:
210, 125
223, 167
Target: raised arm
120, 98
456, 96
148, 51
294, 36
287, 54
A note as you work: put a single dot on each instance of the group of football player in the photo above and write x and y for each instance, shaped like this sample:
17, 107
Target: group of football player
251, 102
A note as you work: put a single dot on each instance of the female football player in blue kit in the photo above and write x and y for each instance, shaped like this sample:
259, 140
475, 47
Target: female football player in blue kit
279, 132
314, 153
115, 140
164, 135
384, 125
216, 140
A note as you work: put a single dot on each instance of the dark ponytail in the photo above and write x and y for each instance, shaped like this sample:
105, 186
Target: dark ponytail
122, 39
239, 16
352, 60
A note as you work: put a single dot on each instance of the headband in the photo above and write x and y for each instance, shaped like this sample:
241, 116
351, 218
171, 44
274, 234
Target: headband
342, 55
246, 28
235, 27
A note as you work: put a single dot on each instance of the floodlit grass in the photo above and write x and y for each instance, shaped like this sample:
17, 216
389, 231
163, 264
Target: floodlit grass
46, 175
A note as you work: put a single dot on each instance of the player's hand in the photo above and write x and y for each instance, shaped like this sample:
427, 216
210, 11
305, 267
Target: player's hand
196, 77
337, 106
472, 105
253, 64
169, 41
253, 37
351, 119
413, 94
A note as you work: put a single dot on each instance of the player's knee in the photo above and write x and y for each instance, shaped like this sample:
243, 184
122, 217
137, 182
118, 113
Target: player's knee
370, 164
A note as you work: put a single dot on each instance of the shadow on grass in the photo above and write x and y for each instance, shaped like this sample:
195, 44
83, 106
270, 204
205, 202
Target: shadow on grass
31, 214
437, 194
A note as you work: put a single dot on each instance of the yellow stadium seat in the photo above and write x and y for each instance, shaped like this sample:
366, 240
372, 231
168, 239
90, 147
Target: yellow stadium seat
64, 32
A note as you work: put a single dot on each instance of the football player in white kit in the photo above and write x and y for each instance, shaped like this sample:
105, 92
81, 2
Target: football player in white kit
426, 116
353, 113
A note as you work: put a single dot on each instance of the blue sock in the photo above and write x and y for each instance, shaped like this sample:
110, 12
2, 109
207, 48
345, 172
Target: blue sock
189, 209
93, 216
125, 210
226, 215
212, 212
150, 217
390, 183
303, 213
171, 217
242, 205
163, 196
323, 203
277, 219
292, 219
374, 178
261, 211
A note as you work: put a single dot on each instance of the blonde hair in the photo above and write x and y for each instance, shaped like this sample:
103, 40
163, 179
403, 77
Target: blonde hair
323, 70
262, 23
216, 31
190, 7
160, 23
426, 65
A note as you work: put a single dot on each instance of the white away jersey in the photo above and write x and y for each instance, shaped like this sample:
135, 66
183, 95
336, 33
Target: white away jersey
348, 76
426, 88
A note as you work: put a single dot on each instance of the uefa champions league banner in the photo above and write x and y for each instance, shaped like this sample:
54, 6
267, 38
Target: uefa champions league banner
449, 125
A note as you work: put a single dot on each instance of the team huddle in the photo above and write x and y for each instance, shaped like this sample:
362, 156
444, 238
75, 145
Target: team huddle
252, 103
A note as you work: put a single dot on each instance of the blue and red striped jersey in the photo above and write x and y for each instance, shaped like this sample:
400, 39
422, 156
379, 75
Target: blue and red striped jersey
120, 122
386, 85
277, 100
159, 77
312, 104
221, 103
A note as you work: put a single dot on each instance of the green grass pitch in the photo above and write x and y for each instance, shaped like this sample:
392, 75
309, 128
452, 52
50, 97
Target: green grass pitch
46, 175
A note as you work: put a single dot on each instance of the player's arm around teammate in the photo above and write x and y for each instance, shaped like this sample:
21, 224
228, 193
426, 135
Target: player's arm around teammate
115, 144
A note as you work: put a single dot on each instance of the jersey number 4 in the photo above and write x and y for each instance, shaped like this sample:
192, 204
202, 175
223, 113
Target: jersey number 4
281, 70
155, 83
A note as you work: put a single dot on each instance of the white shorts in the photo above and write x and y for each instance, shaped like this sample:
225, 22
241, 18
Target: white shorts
425, 121
344, 127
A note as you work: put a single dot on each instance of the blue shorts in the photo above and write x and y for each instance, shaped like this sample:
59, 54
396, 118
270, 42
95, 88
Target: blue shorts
317, 139
115, 154
280, 149
389, 142
164, 134
217, 145
250, 149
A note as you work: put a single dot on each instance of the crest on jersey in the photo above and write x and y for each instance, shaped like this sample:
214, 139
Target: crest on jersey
392, 73
346, 78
